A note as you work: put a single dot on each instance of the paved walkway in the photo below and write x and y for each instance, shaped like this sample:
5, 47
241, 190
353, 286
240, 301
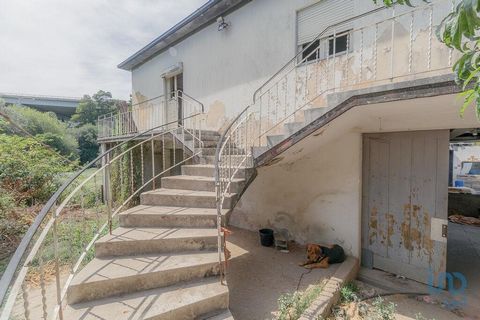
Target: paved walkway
463, 255
257, 275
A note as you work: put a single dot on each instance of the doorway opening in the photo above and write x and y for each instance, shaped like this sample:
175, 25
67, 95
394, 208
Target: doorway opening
463, 247
174, 89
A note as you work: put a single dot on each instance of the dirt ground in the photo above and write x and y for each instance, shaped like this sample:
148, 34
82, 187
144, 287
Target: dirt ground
257, 275
407, 306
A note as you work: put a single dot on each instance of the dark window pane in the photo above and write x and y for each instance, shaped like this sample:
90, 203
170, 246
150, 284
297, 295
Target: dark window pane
311, 51
340, 44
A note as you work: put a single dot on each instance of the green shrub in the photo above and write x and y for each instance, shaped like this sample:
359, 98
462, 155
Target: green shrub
87, 142
28, 170
44, 124
7, 202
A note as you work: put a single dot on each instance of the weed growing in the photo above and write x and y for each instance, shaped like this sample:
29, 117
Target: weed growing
292, 305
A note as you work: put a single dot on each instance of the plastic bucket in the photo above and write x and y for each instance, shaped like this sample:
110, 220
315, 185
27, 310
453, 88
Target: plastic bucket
266, 237
459, 183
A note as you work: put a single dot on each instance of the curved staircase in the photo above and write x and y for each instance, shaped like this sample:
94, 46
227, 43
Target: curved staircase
162, 261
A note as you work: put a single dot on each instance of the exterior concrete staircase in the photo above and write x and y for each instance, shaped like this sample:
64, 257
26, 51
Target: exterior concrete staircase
303, 118
289, 128
162, 261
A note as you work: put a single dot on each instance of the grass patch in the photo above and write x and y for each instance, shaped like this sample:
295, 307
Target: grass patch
349, 292
292, 305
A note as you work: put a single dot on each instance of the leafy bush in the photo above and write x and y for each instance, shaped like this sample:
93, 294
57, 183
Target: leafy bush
7, 202
87, 142
28, 170
44, 124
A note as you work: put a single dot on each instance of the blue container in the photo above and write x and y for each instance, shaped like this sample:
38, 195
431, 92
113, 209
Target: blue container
459, 183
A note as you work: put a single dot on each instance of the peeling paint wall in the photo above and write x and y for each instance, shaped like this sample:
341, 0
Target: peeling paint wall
316, 198
223, 69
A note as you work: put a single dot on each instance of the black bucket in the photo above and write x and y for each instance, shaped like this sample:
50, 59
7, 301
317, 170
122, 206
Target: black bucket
266, 237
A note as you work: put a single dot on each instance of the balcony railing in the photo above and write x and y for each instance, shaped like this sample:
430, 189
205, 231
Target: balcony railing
149, 114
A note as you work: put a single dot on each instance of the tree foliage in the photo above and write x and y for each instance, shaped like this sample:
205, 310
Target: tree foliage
460, 30
30, 171
90, 107
87, 142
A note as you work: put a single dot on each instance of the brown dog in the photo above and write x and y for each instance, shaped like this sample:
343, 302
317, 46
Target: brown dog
319, 256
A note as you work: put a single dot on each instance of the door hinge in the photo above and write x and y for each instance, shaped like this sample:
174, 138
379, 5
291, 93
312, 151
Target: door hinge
444, 230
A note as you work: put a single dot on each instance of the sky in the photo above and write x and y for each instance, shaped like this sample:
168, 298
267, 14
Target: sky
72, 47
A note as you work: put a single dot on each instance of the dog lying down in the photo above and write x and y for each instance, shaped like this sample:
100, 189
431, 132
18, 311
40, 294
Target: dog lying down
319, 256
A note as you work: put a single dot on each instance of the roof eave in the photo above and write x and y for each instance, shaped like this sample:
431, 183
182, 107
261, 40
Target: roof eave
205, 15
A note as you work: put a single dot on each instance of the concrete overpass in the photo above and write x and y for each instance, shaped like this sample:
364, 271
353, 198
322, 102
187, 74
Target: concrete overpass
63, 107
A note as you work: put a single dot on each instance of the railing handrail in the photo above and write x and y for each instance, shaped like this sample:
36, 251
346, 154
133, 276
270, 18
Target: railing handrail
114, 113
191, 98
312, 42
14, 262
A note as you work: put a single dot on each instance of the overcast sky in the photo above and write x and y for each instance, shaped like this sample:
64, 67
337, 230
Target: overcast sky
73, 47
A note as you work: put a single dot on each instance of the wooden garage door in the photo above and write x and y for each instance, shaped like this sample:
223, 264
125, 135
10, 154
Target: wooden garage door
405, 189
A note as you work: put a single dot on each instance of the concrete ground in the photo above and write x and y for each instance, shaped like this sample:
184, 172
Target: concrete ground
257, 275
463, 255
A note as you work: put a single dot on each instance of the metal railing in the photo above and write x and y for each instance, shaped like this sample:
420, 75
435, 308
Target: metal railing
61, 239
148, 114
378, 47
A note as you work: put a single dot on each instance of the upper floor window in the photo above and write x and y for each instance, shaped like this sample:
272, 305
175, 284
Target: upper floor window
338, 44
316, 19
326, 47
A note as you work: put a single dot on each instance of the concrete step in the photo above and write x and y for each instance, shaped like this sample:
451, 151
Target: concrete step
212, 151
313, 114
108, 277
206, 136
223, 315
210, 144
184, 198
258, 151
137, 241
198, 183
187, 300
170, 217
275, 139
292, 127
234, 158
208, 170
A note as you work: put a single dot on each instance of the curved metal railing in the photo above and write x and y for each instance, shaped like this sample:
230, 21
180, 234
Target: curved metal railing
146, 114
378, 47
61, 239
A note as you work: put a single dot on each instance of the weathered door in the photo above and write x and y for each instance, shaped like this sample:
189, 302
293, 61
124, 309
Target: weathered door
405, 190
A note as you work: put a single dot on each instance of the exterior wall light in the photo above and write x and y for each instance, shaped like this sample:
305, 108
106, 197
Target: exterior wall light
222, 25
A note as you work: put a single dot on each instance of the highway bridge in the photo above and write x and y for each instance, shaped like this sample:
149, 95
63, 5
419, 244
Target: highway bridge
63, 107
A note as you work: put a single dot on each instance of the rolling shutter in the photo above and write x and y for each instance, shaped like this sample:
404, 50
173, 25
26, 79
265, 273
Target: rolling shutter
312, 20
